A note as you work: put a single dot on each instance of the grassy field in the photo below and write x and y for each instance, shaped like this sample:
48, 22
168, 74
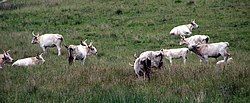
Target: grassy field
120, 28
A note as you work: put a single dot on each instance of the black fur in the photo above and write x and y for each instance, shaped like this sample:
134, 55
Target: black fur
215, 56
207, 39
161, 60
71, 58
61, 38
146, 67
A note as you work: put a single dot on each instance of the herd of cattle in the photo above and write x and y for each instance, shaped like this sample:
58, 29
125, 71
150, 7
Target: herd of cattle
198, 44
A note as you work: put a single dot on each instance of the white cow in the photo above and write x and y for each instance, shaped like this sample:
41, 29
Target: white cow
5, 57
215, 50
80, 52
31, 61
176, 54
146, 61
48, 40
196, 39
184, 30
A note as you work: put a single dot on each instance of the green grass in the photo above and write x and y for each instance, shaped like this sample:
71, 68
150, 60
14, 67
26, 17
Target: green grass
120, 28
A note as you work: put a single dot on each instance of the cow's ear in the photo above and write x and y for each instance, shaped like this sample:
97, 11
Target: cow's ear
4, 56
135, 56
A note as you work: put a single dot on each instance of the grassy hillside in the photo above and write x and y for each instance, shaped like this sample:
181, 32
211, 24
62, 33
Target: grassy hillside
120, 28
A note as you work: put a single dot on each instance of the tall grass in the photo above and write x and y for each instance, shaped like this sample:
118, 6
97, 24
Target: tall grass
119, 29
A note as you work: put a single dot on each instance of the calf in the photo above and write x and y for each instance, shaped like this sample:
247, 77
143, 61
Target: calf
80, 52
5, 57
176, 54
214, 50
31, 61
184, 30
48, 40
221, 64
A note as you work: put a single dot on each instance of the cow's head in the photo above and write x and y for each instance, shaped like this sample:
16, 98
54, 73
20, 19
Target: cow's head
35, 39
194, 24
196, 48
91, 49
39, 57
7, 56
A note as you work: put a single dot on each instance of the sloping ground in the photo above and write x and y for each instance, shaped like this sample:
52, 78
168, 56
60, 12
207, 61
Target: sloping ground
119, 29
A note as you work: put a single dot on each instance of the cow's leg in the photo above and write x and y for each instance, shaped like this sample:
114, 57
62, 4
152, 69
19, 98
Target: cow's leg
170, 60
43, 48
148, 74
83, 61
225, 56
58, 49
184, 60
138, 76
206, 59
144, 75
160, 65
147, 68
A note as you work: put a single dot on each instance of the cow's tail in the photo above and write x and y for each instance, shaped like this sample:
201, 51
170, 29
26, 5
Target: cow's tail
61, 38
71, 57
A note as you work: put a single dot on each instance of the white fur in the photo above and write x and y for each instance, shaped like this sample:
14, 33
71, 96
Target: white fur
1, 63
196, 39
5, 57
204, 51
184, 30
49, 40
176, 54
221, 64
153, 56
31, 61
80, 52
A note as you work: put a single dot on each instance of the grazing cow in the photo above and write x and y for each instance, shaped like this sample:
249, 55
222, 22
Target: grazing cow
48, 40
80, 52
176, 54
31, 61
5, 57
146, 61
196, 39
215, 50
184, 30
